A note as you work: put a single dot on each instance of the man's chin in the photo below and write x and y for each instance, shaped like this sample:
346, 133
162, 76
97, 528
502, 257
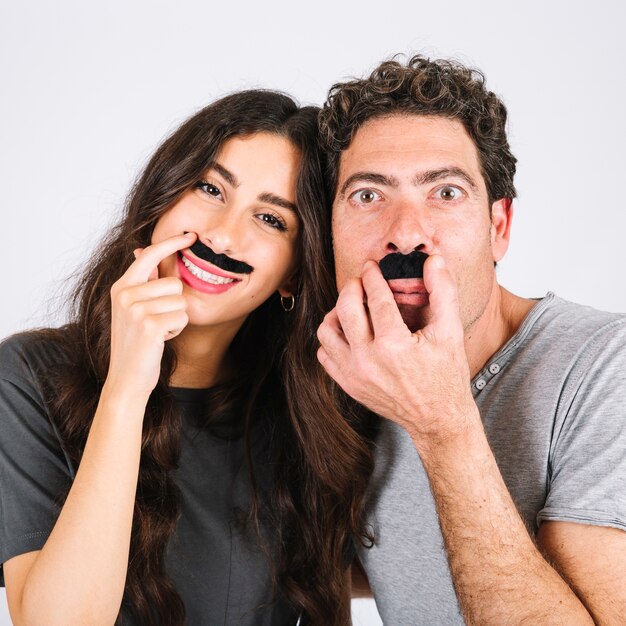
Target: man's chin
415, 317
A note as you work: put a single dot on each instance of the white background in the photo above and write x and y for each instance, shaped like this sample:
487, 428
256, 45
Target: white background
88, 90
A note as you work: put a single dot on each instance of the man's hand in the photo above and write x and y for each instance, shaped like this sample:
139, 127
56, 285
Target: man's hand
420, 380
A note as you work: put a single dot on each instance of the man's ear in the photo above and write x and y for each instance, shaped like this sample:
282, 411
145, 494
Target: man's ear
501, 219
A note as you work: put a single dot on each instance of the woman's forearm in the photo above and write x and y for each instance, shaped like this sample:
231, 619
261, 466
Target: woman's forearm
80, 573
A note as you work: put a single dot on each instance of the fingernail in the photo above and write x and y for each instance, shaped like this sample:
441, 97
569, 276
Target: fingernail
190, 235
439, 262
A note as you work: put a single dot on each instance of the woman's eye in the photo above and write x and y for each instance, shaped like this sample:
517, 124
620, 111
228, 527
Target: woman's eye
365, 196
273, 220
209, 188
449, 192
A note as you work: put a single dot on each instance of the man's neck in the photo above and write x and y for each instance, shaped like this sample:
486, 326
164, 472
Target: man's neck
503, 315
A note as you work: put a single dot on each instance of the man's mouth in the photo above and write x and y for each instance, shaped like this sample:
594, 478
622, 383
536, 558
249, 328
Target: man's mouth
409, 291
397, 265
407, 285
403, 273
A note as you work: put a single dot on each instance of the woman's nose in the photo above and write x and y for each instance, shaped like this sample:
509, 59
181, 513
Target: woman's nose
223, 233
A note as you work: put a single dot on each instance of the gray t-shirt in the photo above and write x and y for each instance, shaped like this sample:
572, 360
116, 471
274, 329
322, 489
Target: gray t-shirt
553, 404
219, 570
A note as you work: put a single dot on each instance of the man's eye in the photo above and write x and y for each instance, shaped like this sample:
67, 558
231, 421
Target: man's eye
209, 188
449, 192
365, 196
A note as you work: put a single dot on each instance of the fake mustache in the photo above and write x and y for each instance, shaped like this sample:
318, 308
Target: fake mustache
222, 261
398, 265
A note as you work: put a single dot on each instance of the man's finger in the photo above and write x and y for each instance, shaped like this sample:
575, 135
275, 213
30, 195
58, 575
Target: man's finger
143, 268
352, 314
383, 309
331, 367
443, 299
332, 338
335, 353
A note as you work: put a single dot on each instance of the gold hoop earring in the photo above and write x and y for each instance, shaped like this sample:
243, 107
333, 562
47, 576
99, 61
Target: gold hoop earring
287, 303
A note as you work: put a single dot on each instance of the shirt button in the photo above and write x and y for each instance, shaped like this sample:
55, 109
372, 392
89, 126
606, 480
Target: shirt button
494, 368
480, 383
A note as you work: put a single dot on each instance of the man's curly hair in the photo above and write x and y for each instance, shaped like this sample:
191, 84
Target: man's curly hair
423, 87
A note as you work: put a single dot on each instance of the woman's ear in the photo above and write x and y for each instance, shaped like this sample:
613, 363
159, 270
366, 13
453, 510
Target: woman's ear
287, 299
288, 288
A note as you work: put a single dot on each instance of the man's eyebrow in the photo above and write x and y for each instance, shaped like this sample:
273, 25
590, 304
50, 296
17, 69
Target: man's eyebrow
272, 198
228, 176
368, 177
432, 176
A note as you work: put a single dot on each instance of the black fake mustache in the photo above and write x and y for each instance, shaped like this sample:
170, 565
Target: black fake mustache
222, 261
398, 265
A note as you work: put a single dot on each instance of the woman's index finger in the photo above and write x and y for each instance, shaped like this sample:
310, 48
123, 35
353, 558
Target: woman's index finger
143, 267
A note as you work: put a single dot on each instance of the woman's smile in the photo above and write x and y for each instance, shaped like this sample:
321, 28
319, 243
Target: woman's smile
201, 280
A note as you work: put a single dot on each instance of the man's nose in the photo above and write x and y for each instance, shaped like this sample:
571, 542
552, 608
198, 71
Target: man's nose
407, 228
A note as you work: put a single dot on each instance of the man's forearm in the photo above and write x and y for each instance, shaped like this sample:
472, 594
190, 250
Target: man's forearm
499, 574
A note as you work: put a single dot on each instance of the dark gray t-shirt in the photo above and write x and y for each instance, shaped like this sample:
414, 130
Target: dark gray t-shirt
553, 404
218, 568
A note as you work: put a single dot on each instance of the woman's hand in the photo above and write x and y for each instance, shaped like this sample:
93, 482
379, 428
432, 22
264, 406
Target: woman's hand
146, 312
90, 542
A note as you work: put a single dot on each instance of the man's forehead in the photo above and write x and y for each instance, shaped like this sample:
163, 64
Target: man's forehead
402, 138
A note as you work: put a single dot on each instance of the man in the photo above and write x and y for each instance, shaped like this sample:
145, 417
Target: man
499, 493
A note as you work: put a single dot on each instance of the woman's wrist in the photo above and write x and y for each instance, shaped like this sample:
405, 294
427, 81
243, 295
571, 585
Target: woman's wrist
121, 396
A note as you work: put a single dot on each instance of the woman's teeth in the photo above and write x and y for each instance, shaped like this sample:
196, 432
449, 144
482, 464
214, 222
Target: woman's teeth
207, 277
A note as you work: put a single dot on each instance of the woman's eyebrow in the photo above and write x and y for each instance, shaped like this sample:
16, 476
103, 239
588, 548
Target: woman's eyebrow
272, 198
228, 176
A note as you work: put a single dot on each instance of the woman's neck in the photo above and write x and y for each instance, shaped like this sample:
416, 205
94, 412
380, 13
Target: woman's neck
202, 357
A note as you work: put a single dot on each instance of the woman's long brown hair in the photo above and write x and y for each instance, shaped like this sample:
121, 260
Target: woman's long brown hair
318, 444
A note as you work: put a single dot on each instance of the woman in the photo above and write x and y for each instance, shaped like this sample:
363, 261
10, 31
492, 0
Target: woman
173, 451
